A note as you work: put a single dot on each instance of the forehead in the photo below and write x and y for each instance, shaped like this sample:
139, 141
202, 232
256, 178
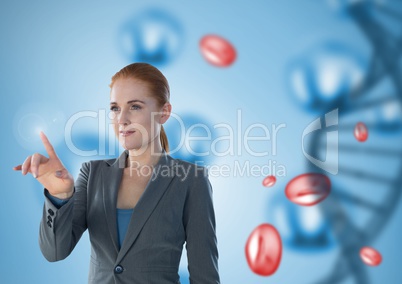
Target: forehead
128, 89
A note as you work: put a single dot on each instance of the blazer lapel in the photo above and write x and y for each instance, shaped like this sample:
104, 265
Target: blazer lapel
162, 176
111, 179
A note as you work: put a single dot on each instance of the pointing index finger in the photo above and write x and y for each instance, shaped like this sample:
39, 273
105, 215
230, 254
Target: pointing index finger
49, 148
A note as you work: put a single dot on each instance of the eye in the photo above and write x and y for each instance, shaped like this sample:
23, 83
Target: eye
113, 108
136, 107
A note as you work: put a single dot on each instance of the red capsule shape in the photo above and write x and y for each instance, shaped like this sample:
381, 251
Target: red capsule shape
269, 181
370, 256
308, 189
361, 132
217, 50
264, 250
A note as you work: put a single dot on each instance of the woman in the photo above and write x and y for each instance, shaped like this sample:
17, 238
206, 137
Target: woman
139, 208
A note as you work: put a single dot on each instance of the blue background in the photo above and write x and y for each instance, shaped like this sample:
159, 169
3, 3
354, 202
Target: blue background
57, 59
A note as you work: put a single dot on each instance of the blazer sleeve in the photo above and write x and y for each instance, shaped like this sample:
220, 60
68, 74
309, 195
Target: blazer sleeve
61, 228
199, 224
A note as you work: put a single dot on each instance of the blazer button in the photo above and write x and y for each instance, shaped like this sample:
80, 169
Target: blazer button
49, 218
50, 211
118, 269
49, 224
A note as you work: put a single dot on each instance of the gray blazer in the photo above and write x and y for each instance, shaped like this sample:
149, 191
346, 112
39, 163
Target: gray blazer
175, 208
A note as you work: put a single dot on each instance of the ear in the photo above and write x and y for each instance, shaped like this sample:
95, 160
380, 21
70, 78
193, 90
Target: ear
166, 111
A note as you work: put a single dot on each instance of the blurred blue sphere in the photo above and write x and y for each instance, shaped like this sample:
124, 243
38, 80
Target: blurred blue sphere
388, 118
183, 144
341, 7
152, 36
301, 228
92, 147
321, 78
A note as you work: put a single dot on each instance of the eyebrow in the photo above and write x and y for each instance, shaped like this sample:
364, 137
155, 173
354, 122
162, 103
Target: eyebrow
129, 102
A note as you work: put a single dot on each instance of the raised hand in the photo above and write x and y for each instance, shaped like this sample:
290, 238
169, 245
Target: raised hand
50, 172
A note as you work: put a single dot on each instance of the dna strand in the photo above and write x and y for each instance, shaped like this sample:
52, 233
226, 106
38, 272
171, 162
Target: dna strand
384, 66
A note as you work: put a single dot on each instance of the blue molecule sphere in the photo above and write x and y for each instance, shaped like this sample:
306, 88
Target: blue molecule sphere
323, 77
153, 36
182, 133
301, 228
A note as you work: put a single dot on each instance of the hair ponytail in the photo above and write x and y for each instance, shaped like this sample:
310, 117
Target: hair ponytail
164, 140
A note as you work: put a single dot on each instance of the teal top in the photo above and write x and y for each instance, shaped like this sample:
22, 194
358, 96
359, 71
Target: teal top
123, 219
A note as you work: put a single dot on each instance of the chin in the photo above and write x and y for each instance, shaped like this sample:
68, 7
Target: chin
134, 147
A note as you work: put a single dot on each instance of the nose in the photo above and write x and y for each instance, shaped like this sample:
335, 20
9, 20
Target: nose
122, 118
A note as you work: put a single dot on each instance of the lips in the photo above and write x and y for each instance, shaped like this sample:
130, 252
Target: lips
126, 133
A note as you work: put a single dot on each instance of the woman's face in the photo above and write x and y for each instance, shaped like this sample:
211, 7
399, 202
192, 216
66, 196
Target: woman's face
134, 113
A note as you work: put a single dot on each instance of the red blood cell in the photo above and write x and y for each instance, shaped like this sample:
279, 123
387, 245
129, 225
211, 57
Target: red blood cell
217, 50
269, 181
308, 189
361, 132
264, 250
370, 256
